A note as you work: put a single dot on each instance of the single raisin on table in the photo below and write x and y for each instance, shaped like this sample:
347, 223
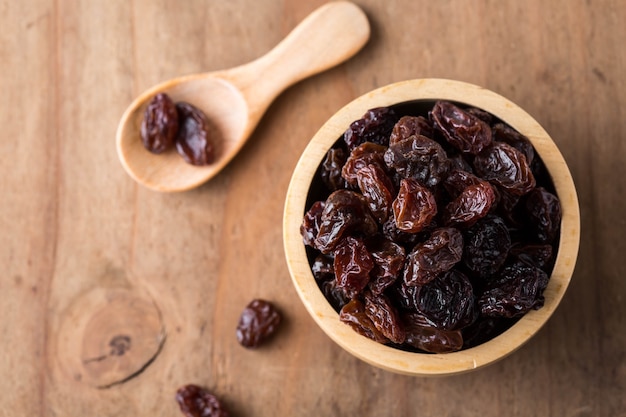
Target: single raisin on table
258, 322
432, 230
195, 401
195, 138
160, 124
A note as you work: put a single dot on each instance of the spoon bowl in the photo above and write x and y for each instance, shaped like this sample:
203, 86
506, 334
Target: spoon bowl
234, 100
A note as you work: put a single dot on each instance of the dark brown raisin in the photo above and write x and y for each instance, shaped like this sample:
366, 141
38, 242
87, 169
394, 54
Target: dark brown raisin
538, 255
517, 289
160, 124
322, 268
543, 213
507, 134
195, 401
410, 126
487, 245
377, 189
505, 166
420, 158
196, 136
375, 126
310, 226
344, 212
463, 130
422, 335
439, 253
367, 153
384, 316
388, 259
336, 296
353, 314
258, 322
472, 204
352, 265
414, 207
331, 169
447, 301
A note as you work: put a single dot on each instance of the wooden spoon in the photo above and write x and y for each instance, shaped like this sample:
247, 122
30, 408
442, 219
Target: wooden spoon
234, 100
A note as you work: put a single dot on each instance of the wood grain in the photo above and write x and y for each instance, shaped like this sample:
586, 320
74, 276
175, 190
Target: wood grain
73, 222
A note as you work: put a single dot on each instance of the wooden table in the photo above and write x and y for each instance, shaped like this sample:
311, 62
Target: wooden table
87, 254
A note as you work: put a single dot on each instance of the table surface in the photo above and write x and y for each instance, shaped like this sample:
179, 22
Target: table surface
88, 254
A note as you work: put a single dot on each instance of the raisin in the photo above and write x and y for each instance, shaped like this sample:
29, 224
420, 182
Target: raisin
505, 166
447, 301
507, 134
375, 126
331, 169
543, 211
463, 130
538, 255
352, 265
472, 204
344, 212
391, 232
367, 153
484, 329
336, 296
322, 268
160, 124
518, 289
410, 126
481, 114
420, 158
310, 226
487, 245
388, 259
194, 141
421, 335
195, 401
414, 207
377, 189
384, 316
403, 295
458, 180
353, 314
258, 322
439, 253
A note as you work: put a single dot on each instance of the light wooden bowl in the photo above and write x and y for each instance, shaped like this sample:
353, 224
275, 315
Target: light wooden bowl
387, 357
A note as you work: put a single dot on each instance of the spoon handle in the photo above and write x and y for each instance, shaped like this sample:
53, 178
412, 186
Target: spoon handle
328, 36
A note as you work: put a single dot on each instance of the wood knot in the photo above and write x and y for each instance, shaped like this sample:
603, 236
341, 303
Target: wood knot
110, 336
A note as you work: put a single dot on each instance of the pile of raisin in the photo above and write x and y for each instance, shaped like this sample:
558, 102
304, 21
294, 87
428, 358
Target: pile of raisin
432, 227
167, 125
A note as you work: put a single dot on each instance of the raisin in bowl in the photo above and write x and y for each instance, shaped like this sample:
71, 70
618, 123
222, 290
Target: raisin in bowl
431, 227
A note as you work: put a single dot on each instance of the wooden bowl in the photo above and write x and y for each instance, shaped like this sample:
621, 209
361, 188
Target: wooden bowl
390, 358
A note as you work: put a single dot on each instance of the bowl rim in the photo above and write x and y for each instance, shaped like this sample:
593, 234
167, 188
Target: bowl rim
386, 357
